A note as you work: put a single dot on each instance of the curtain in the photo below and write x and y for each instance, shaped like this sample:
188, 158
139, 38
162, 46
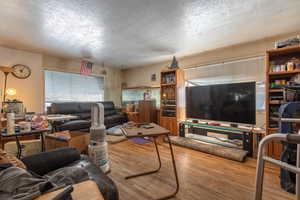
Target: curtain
68, 87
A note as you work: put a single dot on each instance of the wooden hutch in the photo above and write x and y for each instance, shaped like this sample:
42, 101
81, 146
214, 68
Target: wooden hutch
278, 73
172, 108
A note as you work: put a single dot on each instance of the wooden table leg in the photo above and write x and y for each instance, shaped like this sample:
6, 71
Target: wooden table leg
42, 142
175, 173
150, 172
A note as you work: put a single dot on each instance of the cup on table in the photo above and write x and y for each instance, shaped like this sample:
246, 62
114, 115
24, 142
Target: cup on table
10, 123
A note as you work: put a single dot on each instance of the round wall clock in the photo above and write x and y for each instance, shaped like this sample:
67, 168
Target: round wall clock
21, 71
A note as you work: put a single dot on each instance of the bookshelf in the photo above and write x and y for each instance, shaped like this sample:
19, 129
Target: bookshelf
171, 99
279, 72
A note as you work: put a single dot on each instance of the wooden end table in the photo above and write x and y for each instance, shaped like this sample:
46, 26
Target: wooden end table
155, 132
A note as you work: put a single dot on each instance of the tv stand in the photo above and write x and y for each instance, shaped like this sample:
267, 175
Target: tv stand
249, 137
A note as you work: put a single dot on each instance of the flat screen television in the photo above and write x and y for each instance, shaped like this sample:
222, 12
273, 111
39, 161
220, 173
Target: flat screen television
234, 102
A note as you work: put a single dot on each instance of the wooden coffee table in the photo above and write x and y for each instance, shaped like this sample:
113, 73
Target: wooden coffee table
155, 132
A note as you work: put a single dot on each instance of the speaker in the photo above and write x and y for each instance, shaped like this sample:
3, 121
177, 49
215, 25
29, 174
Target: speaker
248, 143
181, 130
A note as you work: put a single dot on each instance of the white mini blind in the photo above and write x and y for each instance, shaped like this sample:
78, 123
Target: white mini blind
68, 87
243, 70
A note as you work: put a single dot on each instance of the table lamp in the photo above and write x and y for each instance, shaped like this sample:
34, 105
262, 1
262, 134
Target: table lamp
11, 92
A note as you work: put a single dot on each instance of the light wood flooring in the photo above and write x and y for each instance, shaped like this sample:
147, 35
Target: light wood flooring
202, 176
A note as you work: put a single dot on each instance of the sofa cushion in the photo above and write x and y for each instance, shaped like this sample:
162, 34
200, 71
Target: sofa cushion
86, 106
65, 108
46, 162
109, 112
75, 125
84, 116
108, 105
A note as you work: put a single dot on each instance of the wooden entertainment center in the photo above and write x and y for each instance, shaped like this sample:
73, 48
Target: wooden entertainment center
249, 136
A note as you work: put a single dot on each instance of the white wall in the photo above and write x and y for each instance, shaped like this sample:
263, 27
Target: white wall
140, 76
29, 90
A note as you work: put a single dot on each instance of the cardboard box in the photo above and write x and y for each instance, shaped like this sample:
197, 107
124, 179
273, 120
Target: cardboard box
80, 141
30, 147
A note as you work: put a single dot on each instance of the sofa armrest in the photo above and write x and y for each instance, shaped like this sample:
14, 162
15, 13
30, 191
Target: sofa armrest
46, 162
107, 187
124, 115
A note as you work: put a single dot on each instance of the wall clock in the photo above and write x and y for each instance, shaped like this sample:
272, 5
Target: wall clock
21, 71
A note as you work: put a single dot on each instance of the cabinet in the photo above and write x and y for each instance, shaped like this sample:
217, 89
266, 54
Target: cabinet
147, 111
172, 108
282, 66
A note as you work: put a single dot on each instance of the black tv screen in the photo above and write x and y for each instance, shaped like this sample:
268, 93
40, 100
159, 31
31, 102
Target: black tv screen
234, 102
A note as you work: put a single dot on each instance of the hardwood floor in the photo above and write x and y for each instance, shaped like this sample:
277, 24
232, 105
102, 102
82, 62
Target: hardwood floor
202, 176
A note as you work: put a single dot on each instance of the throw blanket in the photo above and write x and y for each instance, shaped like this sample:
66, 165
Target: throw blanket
19, 184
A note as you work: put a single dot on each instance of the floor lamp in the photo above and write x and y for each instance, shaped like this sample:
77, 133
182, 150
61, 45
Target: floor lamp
6, 71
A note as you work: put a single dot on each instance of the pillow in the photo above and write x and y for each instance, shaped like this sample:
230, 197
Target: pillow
6, 158
115, 130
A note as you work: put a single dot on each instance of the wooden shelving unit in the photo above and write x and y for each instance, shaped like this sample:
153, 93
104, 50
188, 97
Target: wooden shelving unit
293, 72
279, 57
172, 95
275, 90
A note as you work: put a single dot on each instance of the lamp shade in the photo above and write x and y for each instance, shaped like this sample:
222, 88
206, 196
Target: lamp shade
6, 69
11, 91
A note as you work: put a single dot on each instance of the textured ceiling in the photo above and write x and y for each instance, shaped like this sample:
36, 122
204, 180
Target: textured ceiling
135, 32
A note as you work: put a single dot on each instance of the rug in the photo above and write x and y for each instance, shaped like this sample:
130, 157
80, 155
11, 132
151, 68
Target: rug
112, 139
140, 140
218, 150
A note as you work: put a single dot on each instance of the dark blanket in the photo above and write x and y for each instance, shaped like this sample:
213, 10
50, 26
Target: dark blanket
19, 184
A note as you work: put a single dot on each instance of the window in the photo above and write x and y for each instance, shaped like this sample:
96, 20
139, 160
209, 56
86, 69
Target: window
68, 87
132, 96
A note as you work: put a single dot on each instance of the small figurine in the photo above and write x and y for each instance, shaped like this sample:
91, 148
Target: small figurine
174, 64
147, 95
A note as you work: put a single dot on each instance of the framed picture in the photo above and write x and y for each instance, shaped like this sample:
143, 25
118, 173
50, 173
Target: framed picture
153, 77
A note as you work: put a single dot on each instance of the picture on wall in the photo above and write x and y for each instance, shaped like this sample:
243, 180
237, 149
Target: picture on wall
153, 77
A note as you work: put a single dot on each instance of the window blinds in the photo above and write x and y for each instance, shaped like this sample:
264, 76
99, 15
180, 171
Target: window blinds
67, 87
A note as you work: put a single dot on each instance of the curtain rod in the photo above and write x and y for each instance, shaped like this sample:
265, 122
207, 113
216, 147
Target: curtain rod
226, 62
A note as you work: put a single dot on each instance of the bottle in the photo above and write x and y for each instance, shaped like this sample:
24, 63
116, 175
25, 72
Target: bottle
10, 123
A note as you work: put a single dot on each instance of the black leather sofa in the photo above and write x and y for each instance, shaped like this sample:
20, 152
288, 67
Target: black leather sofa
45, 162
83, 110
